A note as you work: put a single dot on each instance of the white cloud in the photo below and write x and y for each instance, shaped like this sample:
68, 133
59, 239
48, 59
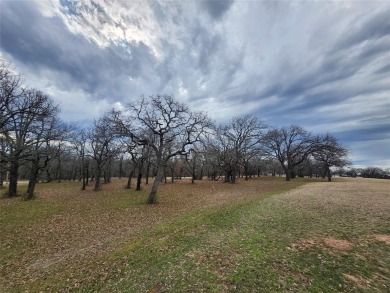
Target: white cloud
120, 21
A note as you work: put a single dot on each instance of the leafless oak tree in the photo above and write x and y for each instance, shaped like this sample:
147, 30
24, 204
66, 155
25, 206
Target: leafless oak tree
238, 142
103, 148
10, 91
167, 126
22, 132
331, 154
291, 146
50, 134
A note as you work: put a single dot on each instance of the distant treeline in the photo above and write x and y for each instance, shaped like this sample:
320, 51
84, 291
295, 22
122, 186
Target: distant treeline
369, 172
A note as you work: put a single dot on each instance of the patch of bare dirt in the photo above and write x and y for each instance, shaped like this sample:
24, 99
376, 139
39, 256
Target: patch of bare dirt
383, 237
338, 243
302, 245
358, 280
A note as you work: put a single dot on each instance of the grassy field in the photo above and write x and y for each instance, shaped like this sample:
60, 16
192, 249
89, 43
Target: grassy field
263, 235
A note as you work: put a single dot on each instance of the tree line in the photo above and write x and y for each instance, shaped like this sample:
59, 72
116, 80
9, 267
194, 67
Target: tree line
154, 136
368, 172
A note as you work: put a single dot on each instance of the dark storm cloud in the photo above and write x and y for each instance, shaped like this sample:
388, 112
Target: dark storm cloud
216, 8
47, 42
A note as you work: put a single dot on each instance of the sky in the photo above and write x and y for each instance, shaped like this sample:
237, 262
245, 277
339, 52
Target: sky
322, 65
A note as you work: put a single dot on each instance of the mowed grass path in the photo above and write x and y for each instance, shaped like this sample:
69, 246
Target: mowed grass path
263, 235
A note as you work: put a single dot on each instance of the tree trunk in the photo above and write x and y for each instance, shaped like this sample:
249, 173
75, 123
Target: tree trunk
120, 167
93, 175
97, 179
84, 183
233, 174
152, 199
105, 177
139, 178
13, 178
288, 175
83, 174
32, 181
227, 176
48, 176
86, 173
2, 173
59, 172
108, 172
75, 171
128, 186
200, 177
329, 174
147, 172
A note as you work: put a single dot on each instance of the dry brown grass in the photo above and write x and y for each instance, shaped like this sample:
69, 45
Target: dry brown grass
85, 224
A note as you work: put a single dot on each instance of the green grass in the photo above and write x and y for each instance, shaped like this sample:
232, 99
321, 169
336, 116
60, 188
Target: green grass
18, 216
269, 243
245, 249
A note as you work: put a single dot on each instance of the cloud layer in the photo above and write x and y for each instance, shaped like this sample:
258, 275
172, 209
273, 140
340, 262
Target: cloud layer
322, 65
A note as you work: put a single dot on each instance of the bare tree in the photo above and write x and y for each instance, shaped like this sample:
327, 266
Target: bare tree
138, 156
194, 162
50, 134
374, 172
238, 142
224, 153
291, 146
167, 126
102, 137
3, 160
32, 108
331, 153
80, 142
247, 132
10, 91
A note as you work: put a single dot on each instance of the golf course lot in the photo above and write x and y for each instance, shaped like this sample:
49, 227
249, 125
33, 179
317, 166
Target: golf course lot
260, 235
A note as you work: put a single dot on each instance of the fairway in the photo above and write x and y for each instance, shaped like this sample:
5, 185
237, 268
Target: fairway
261, 235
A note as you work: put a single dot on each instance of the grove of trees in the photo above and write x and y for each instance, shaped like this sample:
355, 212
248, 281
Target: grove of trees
155, 136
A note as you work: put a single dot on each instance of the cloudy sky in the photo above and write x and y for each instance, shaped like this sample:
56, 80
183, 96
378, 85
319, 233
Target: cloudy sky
324, 65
